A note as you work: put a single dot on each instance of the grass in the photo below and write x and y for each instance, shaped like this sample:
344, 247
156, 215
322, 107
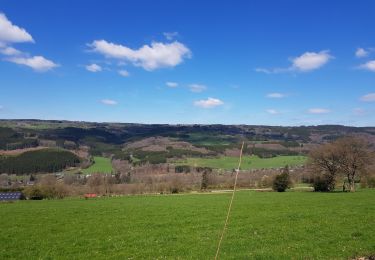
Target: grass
100, 165
263, 225
248, 162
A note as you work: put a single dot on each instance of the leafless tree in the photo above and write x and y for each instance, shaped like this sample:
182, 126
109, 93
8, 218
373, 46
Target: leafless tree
355, 156
325, 160
349, 156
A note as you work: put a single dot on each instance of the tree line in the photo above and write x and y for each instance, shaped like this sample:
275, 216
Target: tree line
40, 161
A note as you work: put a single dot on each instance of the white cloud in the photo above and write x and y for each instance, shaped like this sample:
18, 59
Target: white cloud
370, 65
273, 70
170, 35
311, 60
208, 103
360, 53
273, 111
197, 88
150, 57
263, 70
319, 111
124, 73
370, 97
10, 33
308, 61
276, 95
37, 63
109, 102
94, 67
171, 84
10, 51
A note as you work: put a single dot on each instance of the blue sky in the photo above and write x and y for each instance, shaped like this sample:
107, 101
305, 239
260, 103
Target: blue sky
229, 62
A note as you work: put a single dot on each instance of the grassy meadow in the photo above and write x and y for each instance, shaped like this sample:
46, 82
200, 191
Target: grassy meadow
248, 162
263, 225
100, 165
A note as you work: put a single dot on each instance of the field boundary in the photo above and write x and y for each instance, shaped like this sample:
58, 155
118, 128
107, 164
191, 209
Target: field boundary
230, 204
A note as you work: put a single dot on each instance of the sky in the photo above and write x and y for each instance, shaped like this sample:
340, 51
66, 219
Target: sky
185, 62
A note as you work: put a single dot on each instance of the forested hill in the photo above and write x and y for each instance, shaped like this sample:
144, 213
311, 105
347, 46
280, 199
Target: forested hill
40, 161
110, 138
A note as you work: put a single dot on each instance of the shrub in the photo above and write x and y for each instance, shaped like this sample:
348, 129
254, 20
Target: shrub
175, 185
282, 181
34, 193
205, 180
182, 169
323, 183
368, 182
266, 181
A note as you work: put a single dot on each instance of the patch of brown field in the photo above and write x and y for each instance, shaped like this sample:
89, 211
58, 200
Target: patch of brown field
157, 144
19, 151
232, 152
270, 146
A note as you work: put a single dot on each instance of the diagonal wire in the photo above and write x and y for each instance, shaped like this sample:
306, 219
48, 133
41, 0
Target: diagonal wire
230, 204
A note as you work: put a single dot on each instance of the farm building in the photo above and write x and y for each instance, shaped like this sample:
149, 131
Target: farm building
9, 196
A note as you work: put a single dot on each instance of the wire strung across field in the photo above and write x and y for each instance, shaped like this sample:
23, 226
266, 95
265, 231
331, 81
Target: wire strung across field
230, 204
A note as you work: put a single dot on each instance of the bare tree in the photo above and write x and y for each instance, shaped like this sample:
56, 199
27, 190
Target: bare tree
325, 160
355, 156
348, 156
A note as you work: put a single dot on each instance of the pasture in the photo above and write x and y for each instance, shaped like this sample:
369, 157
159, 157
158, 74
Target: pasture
248, 162
263, 225
100, 165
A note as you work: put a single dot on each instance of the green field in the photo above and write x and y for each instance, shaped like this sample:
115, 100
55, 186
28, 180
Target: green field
263, 225
100, 165
248, 162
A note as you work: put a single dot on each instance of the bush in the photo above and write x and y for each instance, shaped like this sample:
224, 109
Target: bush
282, 181
368, 182
39, 192
182, 169
34, 193
323, 183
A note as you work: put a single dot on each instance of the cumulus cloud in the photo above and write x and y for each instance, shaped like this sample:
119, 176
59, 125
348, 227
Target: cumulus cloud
370, 97
275, 95
208, 103
273, 111
10, 33
360, 53
171, 84
318, 111
150, 57
37, 63
10, 51
170, 35
311, 60
197, 88
370, 65
124, 73
108, 102
94, 67
308, 61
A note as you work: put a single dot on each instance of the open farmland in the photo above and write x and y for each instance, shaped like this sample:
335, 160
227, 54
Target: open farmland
248, 162
100, 165
263, 225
